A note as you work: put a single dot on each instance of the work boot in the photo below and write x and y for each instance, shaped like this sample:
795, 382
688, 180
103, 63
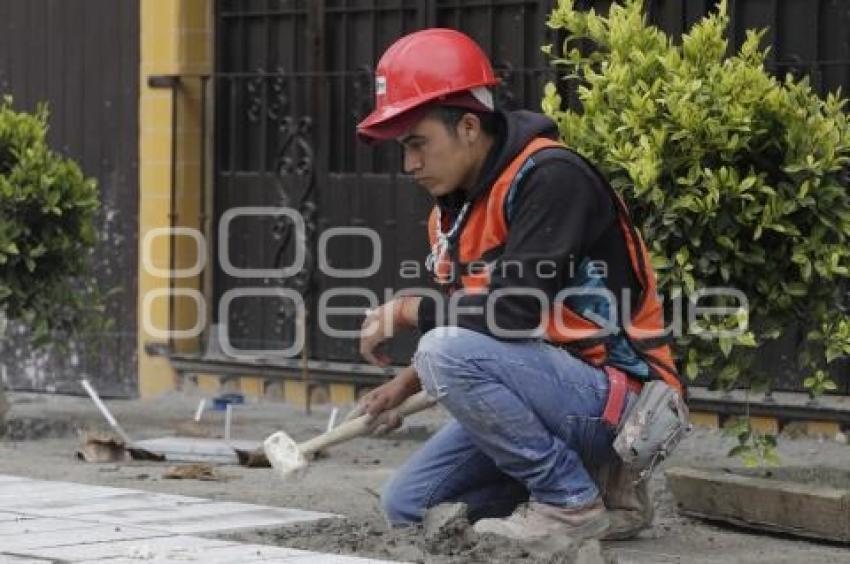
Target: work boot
629, 506
548, 528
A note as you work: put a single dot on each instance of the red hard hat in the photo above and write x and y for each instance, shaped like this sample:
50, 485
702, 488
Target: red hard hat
432, 65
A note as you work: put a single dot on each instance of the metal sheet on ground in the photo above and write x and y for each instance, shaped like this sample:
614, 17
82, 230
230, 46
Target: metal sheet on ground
189, 449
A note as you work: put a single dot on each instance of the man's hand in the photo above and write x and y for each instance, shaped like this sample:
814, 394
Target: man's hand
381, 402
381, 323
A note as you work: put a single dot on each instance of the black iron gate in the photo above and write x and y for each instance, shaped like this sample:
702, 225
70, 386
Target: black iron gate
292, 79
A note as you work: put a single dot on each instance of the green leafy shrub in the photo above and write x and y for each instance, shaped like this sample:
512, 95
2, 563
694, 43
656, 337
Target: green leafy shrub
47, 211
736, 178
753, 447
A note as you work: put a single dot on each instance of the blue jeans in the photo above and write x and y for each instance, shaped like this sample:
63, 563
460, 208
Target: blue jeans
527, 422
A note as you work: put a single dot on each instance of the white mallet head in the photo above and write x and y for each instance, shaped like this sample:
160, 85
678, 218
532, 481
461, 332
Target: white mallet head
284, 455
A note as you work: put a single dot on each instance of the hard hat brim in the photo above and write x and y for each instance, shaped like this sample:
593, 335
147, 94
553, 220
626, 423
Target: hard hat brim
390, 123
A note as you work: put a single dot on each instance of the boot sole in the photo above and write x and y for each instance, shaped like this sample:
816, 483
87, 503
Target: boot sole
625, 534
592, 530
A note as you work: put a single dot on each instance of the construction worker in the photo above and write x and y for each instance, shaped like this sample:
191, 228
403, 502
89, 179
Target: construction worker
529, 356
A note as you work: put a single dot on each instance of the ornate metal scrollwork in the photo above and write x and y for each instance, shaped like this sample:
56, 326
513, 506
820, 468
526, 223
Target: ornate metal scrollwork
255, 93
295, 181
267, 103
238, 325
269, 91
279, 103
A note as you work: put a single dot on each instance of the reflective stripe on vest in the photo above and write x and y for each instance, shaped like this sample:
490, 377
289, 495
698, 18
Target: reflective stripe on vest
484, 233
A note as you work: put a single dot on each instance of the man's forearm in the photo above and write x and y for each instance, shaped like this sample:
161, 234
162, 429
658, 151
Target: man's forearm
407, 311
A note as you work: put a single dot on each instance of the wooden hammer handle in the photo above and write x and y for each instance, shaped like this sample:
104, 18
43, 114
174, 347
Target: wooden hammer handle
361, 425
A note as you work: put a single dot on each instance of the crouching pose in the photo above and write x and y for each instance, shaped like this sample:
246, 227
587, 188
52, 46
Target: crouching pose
553, 319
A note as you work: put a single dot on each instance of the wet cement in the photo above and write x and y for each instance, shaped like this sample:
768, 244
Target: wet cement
445, 537
348, 481
35, 428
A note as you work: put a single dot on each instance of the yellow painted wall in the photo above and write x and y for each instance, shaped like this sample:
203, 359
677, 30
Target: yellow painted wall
252, 386
176, 39
343, 394
705, 419
295, 392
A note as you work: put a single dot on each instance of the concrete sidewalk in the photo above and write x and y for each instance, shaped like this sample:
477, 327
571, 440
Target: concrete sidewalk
47, 521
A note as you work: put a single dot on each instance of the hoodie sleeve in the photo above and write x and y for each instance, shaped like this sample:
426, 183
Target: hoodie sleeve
561, 209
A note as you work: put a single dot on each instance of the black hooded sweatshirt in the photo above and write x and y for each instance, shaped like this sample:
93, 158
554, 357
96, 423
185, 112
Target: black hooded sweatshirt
563, 213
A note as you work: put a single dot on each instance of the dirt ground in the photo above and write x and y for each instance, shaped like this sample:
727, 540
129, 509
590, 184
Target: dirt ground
42, 439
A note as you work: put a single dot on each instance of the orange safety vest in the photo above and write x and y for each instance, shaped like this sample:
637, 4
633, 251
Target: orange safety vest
486, 230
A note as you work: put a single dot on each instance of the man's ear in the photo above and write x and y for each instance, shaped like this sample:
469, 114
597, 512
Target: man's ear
469, 128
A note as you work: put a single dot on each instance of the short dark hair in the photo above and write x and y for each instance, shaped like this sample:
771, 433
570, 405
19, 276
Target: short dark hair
450, 116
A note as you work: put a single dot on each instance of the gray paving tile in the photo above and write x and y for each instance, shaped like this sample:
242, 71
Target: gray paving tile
12, 516
206, 517
42, 520
40, 525
83, 535
118, 502
38, 490
12, 478
319, 558
177, 548
12, 486
7, 558
56, 492
238, 520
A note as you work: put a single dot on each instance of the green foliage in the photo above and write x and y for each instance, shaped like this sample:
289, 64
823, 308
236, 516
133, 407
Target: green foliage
735, 178
47, 211
754, 448
819, 383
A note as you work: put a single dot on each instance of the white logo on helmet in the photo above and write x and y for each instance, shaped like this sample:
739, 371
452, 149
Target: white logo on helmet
483, 95
380, 85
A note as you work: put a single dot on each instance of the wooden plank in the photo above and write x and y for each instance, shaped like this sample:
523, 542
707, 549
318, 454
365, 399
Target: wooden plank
768, 504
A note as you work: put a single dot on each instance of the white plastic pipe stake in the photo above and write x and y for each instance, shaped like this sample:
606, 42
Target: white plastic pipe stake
104, 411
200, 411
228, 414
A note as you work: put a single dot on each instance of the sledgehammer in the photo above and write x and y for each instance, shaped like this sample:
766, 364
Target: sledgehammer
288, 457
